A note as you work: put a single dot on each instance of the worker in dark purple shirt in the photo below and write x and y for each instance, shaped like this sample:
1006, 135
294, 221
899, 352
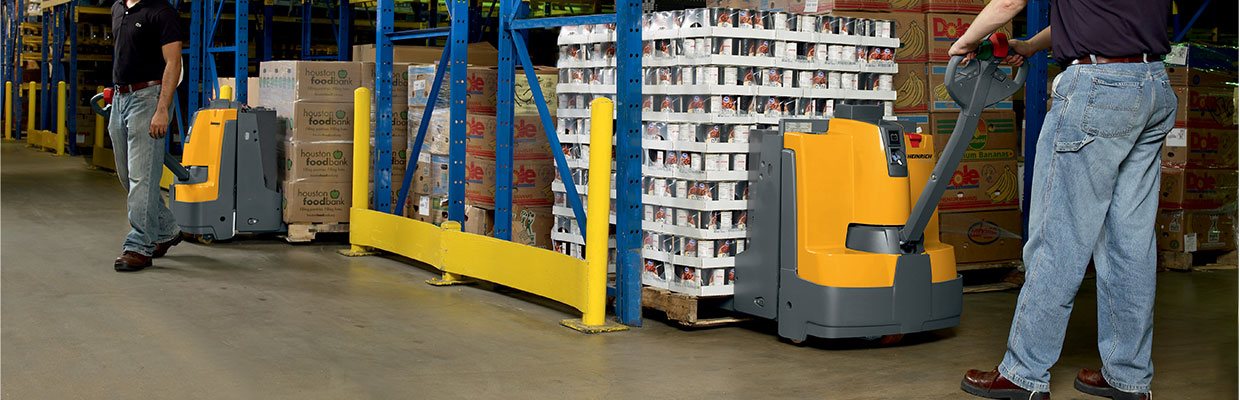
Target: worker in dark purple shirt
1094, 193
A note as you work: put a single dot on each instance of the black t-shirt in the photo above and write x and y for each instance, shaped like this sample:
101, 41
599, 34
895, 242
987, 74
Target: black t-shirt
1108, 28
140, 33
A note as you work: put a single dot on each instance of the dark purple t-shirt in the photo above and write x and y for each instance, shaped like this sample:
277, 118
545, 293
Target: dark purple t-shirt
1109, 28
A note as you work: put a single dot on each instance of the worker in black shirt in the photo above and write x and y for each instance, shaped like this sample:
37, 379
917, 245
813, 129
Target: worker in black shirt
146, 70
1094, 193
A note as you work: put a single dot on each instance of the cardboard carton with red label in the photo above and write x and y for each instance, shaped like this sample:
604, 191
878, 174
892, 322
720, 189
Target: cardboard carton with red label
987, 236
982, 185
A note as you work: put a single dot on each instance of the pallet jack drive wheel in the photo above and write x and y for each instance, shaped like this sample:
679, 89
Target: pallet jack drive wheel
886, 340
204, 239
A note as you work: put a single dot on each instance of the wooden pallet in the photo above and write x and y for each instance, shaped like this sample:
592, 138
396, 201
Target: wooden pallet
687, 310
995, 280
307, 232
1198, 260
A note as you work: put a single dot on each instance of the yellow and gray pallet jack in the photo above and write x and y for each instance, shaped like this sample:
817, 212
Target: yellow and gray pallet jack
229, 182
843, 235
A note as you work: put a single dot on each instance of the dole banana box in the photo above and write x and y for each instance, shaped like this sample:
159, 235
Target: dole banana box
323, 161
399, 77
1189, 231
912, 84
995, 137
982, 185
954, 6
985, 236
1197, 189
908, 6
531, 181
529, 140
804, 6
1211, 107
910, 28
943, 29
940, 100
1200, 148
284, 82
315, 201
531, 226
312, 121
481, 84
1197, 77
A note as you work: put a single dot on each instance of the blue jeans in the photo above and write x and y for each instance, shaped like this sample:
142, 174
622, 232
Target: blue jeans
139, 164
1094, 195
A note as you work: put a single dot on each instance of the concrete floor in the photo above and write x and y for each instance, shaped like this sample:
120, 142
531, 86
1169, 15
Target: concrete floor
264, 319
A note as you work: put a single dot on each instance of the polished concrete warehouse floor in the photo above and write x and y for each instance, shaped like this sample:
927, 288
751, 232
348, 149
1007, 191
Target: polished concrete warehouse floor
262, 319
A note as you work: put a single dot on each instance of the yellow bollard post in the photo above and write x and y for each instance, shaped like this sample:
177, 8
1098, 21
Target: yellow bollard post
8, 110
598, 207
99, 125
361, 159
62, 130
30, 110
226, 92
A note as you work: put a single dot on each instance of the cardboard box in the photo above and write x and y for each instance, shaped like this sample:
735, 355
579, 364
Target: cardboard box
982, 186
1210, 107
400, 119
400, 80
480, 221
910, 28
908, 6
1189, 231
430, 209
531, 226
1201, 148
312, 121
481, 84
1181, 106
1197, 189
253, 89
322, 161
528, 137
314, 201
804, 6
996, 137
438, 136
431, 176
912, 85
944, 29
986, 236
1197, 77
421, 79
481, 53
941, 101
284, 82
531, 181
954, 6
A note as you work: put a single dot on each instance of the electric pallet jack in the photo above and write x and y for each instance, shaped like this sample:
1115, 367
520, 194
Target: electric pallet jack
229, 182
843, 234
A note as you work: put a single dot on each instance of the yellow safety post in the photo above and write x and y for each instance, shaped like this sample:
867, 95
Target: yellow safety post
99, 124
30, 110
361, 159
598, 207
62, 129
8, 110
226, 92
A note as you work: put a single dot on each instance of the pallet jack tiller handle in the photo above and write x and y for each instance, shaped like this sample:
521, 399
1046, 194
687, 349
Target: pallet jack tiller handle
101, 103
974, 85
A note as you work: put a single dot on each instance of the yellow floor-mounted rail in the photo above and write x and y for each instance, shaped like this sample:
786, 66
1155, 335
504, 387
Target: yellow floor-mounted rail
8, 110
48, 140
581, 284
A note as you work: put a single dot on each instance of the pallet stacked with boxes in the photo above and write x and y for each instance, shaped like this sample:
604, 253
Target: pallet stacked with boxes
711, 76
314, 102
533, 168
1198, 190
400, 124
979, 212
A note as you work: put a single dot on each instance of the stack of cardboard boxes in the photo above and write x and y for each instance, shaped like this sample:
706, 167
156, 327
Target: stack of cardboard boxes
1198, 193
533, 168
314, 101
979, 212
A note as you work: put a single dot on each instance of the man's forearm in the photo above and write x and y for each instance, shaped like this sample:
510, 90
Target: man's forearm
168, 84
994, 16
1041, 41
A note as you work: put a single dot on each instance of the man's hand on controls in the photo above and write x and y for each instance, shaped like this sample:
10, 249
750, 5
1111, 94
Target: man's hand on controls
1019, 50
159, 123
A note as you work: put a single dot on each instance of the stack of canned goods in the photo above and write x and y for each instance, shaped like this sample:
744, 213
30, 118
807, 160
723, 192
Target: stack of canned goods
710, 77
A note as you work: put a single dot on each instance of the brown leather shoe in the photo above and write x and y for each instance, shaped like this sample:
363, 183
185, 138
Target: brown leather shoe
161, 249
992, 385
130, 261
1090, 381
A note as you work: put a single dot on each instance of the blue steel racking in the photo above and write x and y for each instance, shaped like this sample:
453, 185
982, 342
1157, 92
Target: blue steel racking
205, 17
11, 60
342, 22
60, 22
512, 27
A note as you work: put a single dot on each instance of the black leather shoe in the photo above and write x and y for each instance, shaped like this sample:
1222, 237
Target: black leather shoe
992, 385
1090, 381
130, 261
161, 249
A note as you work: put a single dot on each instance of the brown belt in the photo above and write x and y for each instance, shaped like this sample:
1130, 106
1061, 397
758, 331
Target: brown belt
1140, 58
125, 89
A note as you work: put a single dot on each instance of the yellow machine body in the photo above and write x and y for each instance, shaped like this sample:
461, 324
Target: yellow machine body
205, 149
849, 187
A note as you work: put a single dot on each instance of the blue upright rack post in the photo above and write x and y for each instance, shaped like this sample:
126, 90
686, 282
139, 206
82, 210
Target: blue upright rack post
628, 134
1036, 15
344, 30
268, 29
307, 17
44, 71
71, 104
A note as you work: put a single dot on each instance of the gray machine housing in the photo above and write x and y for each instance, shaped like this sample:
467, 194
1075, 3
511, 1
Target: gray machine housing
767, 284
249, 189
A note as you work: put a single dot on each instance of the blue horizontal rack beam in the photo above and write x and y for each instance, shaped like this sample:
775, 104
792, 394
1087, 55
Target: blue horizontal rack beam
554, 22
419, 34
